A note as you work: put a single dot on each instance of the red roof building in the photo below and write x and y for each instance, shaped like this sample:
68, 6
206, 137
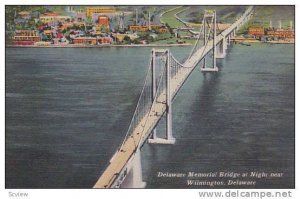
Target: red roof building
25, 37
105, 40
256, 31
103, 21
281, 33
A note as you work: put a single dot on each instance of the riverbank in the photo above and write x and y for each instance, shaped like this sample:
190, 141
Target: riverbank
249, 40
237, 41
100, 46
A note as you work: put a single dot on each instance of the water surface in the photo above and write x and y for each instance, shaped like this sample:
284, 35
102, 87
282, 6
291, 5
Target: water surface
68, 109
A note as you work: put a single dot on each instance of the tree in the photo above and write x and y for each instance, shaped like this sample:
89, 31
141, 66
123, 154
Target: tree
31, 24
103, 29
136, 41
152, 17
126, 40
169, 28
89, 20
140, 15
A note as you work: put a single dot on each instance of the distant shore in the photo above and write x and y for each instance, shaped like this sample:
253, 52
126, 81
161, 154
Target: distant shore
236, 40
98, 46
246, 40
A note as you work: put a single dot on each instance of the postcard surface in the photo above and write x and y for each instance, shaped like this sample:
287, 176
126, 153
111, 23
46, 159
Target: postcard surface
150, 96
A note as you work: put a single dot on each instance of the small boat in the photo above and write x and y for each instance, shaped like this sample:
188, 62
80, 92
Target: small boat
245, 44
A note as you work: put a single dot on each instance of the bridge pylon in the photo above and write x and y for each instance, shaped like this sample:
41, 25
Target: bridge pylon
221, 49
134, 178
162, 54
210, 26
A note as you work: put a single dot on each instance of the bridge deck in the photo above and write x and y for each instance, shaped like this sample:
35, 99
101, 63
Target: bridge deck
146, 125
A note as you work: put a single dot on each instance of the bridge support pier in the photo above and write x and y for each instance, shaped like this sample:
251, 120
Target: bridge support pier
225, 42
221, 50
228, 40
169, 133
134, 177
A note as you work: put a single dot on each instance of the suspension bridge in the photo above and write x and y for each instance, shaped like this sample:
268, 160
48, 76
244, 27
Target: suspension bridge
164, 78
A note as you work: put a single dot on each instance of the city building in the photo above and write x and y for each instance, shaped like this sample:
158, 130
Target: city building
66, 25
79, 16
280, 33
144, 28
48, 33
54, 17
139, 28
259, 32
42, 43
120, 37
103, 21
104, 40
69, 25
163, 29
25, 37
92, 10
24, 14
85, 40
256, 31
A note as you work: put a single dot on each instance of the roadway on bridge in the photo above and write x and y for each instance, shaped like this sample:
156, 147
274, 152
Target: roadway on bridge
149, 121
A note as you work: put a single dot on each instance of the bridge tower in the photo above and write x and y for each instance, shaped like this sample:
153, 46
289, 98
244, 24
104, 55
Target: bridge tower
221, 48
210, 27
162, 54
132, 173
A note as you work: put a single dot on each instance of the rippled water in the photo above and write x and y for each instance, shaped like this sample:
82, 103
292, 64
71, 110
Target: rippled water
68, 109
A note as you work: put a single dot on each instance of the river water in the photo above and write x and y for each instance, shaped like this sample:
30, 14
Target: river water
68, 109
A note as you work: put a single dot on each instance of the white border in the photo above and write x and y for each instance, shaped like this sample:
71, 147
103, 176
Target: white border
128, 193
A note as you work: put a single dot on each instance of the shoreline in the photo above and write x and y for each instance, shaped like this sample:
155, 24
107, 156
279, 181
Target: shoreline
235, 41
100, 46
244, 40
